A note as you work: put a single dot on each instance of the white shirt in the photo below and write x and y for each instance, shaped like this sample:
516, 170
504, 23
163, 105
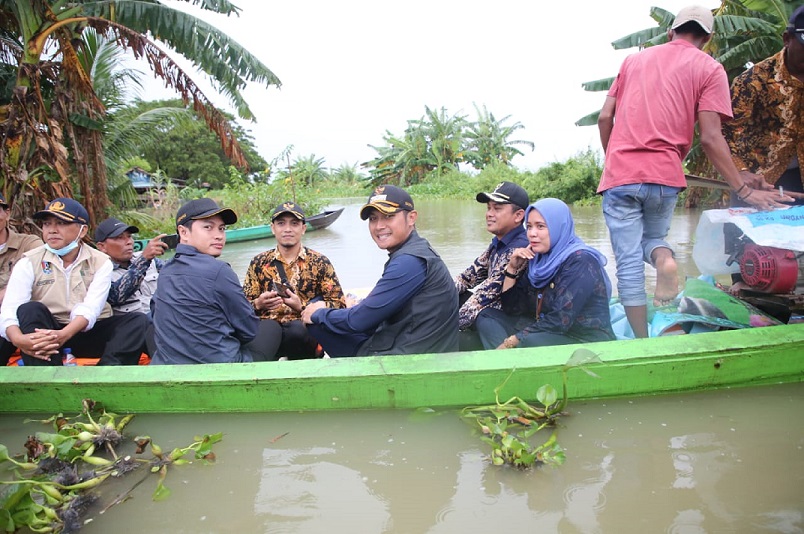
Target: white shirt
18, 292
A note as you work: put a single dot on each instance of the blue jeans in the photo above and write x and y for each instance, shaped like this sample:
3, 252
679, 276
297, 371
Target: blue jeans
638, 217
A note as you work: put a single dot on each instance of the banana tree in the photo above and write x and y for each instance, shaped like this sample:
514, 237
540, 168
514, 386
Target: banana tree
486, 140
51, 119
745, 32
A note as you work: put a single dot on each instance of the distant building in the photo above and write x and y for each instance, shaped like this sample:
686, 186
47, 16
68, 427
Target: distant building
141, 180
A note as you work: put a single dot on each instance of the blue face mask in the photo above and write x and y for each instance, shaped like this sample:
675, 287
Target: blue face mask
66, 249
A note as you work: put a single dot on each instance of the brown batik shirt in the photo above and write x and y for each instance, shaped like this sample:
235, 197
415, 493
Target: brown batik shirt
310, 275
768, 126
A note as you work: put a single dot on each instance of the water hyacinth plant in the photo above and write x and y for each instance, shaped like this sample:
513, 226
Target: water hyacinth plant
51, 489
509, 427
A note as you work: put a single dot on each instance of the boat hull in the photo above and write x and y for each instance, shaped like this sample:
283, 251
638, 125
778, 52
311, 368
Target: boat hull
263, 231
685, 363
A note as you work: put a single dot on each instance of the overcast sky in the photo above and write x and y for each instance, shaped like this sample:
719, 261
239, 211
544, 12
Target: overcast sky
352, 69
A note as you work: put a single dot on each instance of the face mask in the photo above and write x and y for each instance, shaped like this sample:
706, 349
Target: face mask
66, 249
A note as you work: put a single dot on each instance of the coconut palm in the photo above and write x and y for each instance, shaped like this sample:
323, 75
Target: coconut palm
50, 119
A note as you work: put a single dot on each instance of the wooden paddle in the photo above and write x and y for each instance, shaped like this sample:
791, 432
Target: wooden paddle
700, 181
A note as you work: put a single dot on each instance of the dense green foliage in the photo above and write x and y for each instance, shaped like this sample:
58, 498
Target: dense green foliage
190, 153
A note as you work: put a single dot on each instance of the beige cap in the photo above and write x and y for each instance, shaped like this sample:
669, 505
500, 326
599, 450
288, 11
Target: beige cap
699, 14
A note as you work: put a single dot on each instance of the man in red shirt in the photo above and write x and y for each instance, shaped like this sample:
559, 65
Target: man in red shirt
646, 128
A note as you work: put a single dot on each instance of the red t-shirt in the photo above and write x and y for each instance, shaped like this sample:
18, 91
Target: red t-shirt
659, 93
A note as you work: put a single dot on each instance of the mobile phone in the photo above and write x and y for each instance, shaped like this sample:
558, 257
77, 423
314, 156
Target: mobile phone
281, 289
171, 240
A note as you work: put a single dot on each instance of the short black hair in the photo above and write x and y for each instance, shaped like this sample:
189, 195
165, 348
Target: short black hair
691, 27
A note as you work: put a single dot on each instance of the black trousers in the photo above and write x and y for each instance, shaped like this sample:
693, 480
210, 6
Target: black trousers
117, 340
6, 350
275, 340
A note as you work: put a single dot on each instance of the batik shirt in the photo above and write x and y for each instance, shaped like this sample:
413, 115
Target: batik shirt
486, 276
131, 290
768, 127
310, 275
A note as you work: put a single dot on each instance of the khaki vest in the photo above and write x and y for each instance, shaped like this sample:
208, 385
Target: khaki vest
50, 283
16, 246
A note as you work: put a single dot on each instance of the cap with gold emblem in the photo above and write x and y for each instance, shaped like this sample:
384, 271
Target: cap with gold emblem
387, 199
288, 207
65, 209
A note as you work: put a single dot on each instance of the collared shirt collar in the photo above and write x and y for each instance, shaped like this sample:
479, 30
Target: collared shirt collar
507, 238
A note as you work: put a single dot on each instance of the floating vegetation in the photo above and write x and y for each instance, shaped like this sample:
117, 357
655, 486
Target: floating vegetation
509, 427
57, 477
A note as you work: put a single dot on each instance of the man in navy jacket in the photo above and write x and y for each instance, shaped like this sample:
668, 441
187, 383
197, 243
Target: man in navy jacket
199, 310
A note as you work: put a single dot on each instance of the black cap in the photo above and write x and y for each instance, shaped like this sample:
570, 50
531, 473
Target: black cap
204, 208
65, 209
506, 193
796, 24
3, 201
387, 199
288, 207
112, 227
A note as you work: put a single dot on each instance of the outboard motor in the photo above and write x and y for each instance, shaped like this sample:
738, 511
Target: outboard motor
769, 269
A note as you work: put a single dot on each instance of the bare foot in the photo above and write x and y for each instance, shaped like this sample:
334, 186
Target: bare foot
666, 277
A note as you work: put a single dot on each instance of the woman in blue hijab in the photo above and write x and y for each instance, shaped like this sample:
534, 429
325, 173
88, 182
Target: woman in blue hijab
556, 291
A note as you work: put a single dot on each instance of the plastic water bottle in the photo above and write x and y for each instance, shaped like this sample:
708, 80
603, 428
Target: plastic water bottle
68, 358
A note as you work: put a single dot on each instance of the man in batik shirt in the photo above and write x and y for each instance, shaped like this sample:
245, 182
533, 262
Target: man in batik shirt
281, 282
135, 273
505, 211
766, 136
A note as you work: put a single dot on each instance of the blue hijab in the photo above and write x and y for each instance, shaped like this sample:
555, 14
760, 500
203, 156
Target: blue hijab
563, 243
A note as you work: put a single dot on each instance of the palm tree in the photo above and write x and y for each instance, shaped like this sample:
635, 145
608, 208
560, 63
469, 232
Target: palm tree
487, 140
49, 120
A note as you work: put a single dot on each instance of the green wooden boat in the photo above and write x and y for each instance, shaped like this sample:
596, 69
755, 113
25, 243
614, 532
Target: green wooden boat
683, 363
263, 231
